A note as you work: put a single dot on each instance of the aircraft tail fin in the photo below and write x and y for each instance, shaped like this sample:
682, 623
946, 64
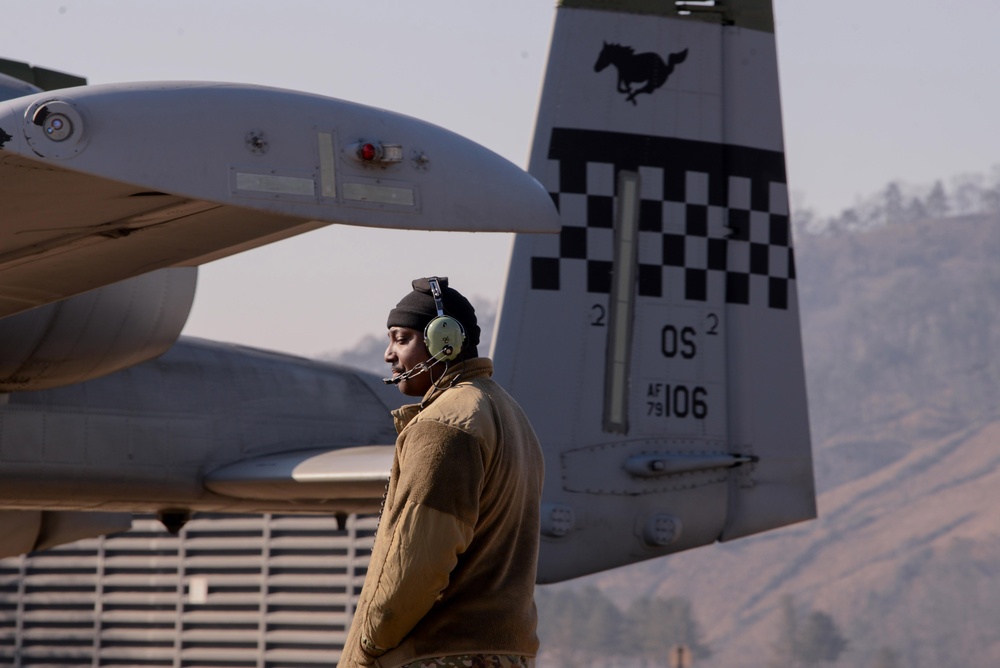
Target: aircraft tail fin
42, 78
655, 343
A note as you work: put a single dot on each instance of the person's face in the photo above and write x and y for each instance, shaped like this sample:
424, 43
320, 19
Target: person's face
405, 351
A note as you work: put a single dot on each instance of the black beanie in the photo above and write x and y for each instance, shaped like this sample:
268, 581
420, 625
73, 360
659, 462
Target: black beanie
417, 309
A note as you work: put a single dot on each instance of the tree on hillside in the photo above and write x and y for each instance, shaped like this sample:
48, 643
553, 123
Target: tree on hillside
784, 647
819, 640
805, 221
916, 211
937, 201
991, 200
967, 193
892, 204
599, 632
654, 626
806, 642
898, 202
885, 658
578, 626
847, 221
991, 192
581, 627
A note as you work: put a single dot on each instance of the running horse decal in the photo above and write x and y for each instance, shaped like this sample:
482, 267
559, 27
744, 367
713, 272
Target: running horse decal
634, 68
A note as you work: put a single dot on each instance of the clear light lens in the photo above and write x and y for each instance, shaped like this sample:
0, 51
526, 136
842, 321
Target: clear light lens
57, 127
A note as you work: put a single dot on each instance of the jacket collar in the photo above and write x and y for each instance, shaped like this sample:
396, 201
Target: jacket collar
476, 367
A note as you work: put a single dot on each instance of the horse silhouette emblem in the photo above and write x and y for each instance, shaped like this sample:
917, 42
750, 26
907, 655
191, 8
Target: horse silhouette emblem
638, 68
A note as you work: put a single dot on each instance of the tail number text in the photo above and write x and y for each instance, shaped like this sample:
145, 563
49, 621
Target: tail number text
676, 401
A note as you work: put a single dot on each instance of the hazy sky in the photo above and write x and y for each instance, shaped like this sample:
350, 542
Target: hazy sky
872, 92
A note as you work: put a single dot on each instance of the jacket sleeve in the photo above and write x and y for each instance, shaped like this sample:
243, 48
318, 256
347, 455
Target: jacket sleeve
434, 514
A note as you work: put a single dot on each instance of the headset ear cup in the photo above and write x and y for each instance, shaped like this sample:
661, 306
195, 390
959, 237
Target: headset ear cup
442, 332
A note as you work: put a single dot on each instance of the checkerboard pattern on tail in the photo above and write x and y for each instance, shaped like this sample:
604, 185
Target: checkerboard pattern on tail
713, 222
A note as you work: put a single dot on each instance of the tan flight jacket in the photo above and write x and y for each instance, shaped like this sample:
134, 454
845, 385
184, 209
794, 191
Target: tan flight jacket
453, 566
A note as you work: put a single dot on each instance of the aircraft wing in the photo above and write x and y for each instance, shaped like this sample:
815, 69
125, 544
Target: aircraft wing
102, 183
307, 475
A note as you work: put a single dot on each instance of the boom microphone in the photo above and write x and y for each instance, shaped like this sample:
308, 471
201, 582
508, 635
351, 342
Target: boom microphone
396, 380
419, 369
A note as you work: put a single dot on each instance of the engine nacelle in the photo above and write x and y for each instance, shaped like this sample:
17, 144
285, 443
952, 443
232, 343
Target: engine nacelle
95, 333
26, 531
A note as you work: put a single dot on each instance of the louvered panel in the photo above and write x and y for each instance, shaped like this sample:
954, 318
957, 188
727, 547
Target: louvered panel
311, 640
233, 603
229, 591
57, 613
62, 563
133, 582
147, 654
320, 562
318, 598
10, 587
81, 635
220, 656
140, 599
140, 565
202, 617
56, 656
292, 581
201, 636
283, 658
226, 565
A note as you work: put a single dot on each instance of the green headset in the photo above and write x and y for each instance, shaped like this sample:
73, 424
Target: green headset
444, 336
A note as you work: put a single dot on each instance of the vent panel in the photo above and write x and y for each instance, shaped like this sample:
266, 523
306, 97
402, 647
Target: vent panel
271, 591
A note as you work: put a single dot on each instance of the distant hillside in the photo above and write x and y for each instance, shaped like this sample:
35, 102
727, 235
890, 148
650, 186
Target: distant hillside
900, 326
907, 316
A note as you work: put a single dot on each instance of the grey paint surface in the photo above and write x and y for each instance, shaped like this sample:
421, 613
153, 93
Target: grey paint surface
37, 78
157, 175
144, 438
753, 14
96, 333
713, 374
35, 530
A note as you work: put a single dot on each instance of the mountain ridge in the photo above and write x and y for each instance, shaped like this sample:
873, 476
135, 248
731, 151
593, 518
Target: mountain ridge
899, 330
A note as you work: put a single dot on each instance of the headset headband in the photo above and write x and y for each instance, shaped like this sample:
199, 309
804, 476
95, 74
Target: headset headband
436, 294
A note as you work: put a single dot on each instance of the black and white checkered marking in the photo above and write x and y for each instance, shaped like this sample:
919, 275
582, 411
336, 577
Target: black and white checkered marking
713, 222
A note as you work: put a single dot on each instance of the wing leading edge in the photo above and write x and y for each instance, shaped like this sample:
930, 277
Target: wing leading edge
101, 183
356, 473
